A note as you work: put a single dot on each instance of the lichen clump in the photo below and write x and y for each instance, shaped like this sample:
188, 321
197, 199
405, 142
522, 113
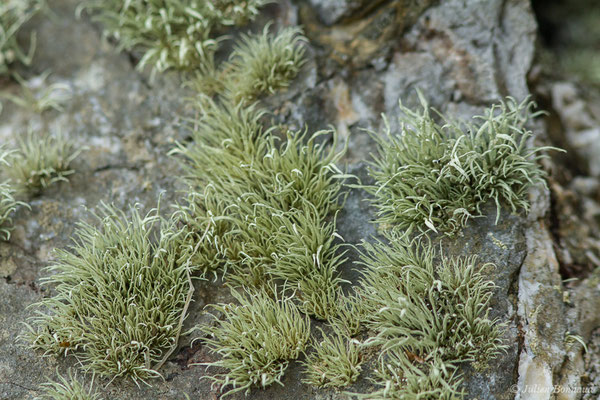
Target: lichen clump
262, 212
120, 296
432, 177
261, 64
172, 34
13, 14
429, 316
8, 203
41, 160
68, 388
334, 362
256, 339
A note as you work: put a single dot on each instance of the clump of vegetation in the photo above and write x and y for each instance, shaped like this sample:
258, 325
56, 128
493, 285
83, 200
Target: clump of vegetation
38, 97
256, 339
8, 203
262, 213
404, 376
429, 316
261, 64
42, 160
121, 295
13, 14
335, 361
68, 389
231, 12
172, 34
349, 316
436, 177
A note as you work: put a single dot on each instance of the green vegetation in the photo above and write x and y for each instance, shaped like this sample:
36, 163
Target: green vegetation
38, 97
173, 33
121, 294
430, 314
177, 34
349, 316
42, 160
260, 209
261, 64
13, 14
436, 177
256, 340
335, 361
262, 214
68, 389
8, 203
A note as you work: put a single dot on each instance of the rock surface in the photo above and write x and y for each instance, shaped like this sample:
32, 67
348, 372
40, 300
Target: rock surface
364, 60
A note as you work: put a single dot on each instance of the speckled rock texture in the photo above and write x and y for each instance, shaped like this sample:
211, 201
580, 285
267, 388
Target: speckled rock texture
364, 58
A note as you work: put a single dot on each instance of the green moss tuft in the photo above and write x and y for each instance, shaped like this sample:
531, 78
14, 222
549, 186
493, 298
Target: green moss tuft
429, 317
38, 97
350, 315
335, 361
261, 64
264, 208
68, 389
437, 177
13, 15
404, 378
8, 203
42, 160
172, 34
120, 296
256, 339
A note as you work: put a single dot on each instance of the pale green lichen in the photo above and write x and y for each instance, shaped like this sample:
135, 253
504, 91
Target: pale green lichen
173, 33
69, 388
256, 339
263, 212
13, 15
334, 362
350, 314
436, 177
36, 96
120, 294
8, 205
8, 202
261, 64
429, 314
41, 160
